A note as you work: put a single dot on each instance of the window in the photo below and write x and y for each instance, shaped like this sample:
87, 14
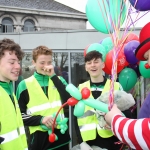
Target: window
7, 25
29, 25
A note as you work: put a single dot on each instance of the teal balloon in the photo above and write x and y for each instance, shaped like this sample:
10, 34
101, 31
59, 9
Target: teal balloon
108, 44
49, 131
127, 78
98, 47
58, 117
62, 131
44, 127
96, 104
64, 121
144, 72
79, 109
101, 14
73, 91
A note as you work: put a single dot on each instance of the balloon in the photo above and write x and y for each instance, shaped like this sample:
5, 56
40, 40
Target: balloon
144, 72
141, 5
72, 101
73, 91
79, 109
97, 47
62, 131
44, 127
84, 54
49, 132
121, 61
131, 37
52, 138
127, 78
129, 51
106, 70
85, 93
135, 67
64, 121
96, 104
100, 42
101, 14
108, 44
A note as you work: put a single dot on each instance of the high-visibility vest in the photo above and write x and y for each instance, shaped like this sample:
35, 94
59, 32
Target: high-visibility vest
11, 124
39, 103
88, 123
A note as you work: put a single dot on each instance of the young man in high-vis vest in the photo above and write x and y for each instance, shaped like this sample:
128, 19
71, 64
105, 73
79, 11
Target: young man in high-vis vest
40, 97
88, 130
12, 133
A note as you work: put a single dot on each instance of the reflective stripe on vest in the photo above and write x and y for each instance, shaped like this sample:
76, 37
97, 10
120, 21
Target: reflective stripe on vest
12, 129
12, 135
89, 117
39, 103
44, 107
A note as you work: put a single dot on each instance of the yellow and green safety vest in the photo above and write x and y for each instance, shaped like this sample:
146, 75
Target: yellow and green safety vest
88, 123
11, 124
39, 103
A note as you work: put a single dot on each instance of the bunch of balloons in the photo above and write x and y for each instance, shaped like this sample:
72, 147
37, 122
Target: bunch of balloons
127, 64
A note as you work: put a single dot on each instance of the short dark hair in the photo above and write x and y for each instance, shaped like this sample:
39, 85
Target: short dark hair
92, 55
10, 45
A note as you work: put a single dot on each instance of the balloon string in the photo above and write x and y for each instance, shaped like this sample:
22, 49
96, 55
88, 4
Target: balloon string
135, 3
57, 115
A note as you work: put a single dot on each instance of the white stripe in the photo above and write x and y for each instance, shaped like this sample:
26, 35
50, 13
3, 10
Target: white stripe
26, 117
125, 133
26, 149
10, 136
44, 107
149, 125
22, 131
86, 127
139, 135
116, 128
96, 89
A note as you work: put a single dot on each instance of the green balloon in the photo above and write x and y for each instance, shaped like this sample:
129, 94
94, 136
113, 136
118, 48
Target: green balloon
98, 47
127, 78
73, 91
101, 14
79, 109
96, 104
44, 127
144, 72
108, 44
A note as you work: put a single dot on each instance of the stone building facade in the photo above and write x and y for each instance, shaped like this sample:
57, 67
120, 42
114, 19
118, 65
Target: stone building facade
39, 15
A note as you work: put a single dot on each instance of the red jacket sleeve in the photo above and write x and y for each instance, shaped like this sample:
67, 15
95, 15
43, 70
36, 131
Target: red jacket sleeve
133, 132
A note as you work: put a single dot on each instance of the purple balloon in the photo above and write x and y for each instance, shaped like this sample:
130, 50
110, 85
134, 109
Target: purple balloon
129, 51
135, 67
100, 42
141, 5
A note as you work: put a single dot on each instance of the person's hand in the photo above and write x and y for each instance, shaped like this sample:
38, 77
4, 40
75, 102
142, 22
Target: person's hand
114, 111
48, 121
49, 70
85, 146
